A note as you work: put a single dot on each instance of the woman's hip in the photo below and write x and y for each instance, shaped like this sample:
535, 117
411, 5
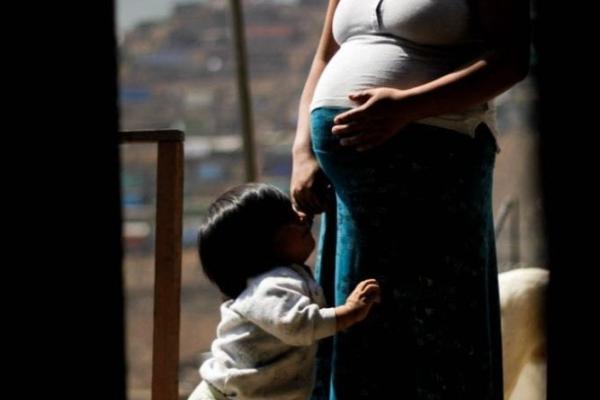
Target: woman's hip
416, 143
433, 166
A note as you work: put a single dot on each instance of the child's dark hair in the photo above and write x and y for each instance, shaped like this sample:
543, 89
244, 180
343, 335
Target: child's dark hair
234, 243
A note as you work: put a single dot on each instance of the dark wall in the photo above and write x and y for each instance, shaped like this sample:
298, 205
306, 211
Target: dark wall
568, 85
69, 224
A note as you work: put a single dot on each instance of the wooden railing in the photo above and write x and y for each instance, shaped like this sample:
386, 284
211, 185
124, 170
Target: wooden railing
506, 209
167, 282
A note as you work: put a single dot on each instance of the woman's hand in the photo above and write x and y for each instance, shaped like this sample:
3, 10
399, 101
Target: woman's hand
311, 192
381, 114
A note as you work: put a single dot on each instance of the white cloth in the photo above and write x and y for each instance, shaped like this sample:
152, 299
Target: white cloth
401, 44
204, 392
266, 340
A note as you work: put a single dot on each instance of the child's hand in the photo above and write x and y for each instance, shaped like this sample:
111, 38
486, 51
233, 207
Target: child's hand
363, 297
358, 304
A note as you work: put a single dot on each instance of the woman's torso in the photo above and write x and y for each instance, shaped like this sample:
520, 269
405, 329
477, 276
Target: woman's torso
400, 44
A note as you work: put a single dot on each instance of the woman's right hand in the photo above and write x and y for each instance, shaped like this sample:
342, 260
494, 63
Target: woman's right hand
311, 191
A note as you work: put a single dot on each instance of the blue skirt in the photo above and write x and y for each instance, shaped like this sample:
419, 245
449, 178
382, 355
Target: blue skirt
416, 214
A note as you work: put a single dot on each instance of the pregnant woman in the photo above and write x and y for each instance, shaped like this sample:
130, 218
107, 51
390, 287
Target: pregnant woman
396, 142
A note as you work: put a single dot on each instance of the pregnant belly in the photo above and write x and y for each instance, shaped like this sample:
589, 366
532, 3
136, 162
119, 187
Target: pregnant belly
362, 63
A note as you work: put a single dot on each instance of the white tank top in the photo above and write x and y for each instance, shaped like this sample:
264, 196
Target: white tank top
401, 44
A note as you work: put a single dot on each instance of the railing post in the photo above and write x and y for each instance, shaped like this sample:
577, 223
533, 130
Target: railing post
508, 207
515, 250
168, 243
169, 199
237, 25
502, 214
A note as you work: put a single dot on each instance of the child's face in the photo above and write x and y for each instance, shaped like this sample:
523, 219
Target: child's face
293, 242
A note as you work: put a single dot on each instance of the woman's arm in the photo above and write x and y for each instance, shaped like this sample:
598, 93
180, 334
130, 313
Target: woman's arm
307, 183
383, 111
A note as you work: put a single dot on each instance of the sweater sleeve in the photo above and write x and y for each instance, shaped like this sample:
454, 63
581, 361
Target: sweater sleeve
280, 305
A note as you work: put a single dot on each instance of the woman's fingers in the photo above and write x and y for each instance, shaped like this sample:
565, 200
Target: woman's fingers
359, 97
366, 141
314, 199
357, 114
349, 128
363, 139
370, 143
300, 202
307, 203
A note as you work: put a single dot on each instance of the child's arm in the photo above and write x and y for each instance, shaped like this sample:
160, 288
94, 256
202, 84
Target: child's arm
279, 305
358, 304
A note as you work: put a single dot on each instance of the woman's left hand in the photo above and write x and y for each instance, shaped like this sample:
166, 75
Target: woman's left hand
381, 114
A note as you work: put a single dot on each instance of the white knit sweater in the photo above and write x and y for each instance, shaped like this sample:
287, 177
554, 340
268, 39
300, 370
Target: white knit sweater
266, 340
